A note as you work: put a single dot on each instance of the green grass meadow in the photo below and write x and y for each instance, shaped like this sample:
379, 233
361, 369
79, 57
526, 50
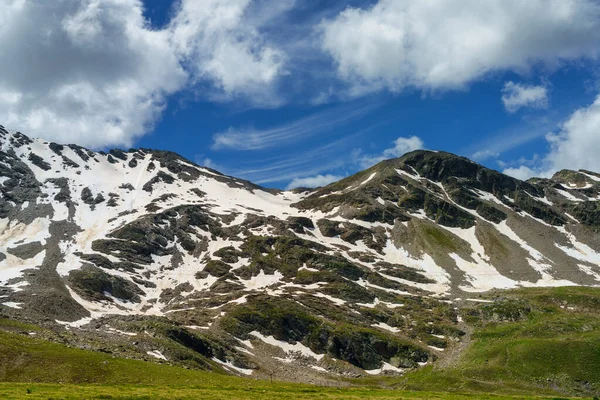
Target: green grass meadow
534, 343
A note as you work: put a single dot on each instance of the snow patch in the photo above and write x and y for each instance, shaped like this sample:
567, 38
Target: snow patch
287, 347
229, 365
157, 354
262, 280
386, 327
568, 195
12, 304
76, 324
384, 367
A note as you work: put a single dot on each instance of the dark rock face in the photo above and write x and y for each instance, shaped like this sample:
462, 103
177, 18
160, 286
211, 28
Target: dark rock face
93, 284
57, 148
69, 163
39, 162
120, 154
440, 167
88, 197
217, 268
64, 193
160, 177
289, 321
26, 250
20, 187
447, 214
373, 200
84, 154
588, 213
577, 179
351, 233
299, 224
402, 272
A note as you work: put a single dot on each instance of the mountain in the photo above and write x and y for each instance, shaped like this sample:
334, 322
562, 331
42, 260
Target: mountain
144, 254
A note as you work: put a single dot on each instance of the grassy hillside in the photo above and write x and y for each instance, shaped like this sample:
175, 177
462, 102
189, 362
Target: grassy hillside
31, 362
28, 359
533, 340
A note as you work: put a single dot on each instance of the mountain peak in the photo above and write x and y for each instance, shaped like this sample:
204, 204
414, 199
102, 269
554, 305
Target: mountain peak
581, 179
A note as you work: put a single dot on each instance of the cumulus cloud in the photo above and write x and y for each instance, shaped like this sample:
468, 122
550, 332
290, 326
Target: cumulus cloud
83, 71
207, 162
445, 44
313, 181
575, 146
484, 154
401, 146
516, 96
95, 73
222, 46
523, 172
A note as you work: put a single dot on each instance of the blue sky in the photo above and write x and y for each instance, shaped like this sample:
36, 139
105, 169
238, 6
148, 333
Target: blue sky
300, 92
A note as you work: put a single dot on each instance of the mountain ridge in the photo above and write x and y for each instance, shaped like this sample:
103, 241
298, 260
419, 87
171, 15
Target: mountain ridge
362, 276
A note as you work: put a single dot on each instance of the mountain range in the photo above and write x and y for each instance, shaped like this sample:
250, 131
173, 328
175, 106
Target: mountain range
144, 254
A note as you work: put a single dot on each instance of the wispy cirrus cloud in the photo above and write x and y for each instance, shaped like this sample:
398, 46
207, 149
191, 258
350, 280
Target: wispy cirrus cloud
337, 155
241, 139
293, 165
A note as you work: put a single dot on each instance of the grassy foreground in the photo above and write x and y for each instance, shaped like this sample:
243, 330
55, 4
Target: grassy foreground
534, 342
32, 368
264, 391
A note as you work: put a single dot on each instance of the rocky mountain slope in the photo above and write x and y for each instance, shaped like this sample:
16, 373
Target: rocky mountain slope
147, 255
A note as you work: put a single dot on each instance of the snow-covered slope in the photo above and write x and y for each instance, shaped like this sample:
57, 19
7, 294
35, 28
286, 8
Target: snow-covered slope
87, 235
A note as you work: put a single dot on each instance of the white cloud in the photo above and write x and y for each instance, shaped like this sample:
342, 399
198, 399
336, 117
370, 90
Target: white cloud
95, 73
88, 72
523, 172
575, 146
484, 155
516, 96
301, 129
313, 181
220, 44
402, 145
207, 162
446, 44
